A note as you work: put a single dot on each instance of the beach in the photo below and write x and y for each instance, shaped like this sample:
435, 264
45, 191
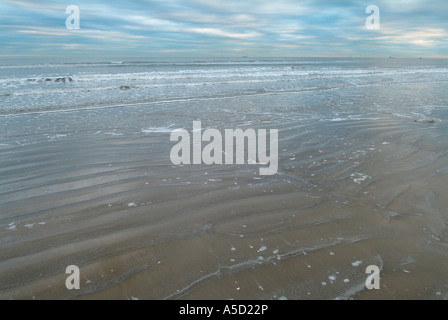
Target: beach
87, 180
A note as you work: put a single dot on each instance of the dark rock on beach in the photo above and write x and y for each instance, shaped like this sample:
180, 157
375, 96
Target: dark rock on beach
426, 121
64, 79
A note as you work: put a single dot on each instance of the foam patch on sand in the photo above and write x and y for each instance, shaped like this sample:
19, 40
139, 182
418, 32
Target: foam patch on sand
157, 130
359, 177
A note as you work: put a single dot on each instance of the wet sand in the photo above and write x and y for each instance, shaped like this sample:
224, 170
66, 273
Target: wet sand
348, 194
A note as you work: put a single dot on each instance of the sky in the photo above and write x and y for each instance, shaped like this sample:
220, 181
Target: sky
224, 28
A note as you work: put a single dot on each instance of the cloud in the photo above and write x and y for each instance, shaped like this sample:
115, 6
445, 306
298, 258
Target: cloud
107, 35
221, 33
420, 37
204, 27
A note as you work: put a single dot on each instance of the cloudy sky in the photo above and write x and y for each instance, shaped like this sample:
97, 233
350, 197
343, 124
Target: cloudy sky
159, 28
